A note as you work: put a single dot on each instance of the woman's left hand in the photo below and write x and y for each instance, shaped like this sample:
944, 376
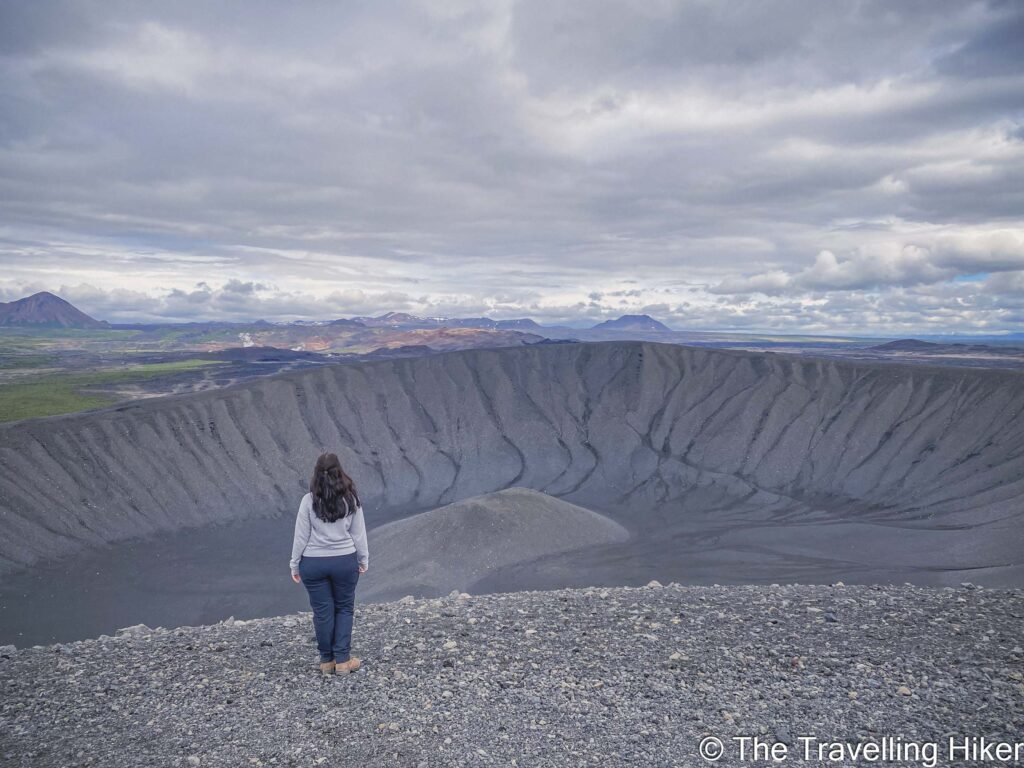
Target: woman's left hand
296, 578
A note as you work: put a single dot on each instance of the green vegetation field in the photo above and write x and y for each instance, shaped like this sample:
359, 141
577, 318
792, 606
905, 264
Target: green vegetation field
20, 339
56, 393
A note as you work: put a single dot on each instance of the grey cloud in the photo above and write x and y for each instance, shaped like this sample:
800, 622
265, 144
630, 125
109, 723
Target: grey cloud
996, 51
575, 43
247, 288
201, 295
506, 157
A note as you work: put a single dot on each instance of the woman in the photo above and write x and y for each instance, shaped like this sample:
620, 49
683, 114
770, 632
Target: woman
328, 555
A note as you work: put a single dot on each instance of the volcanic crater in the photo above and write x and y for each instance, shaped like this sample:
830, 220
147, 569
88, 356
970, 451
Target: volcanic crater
721, 465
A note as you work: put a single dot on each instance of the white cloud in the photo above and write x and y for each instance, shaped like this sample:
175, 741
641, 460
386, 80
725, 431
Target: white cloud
925, 258
152, 56
772, 282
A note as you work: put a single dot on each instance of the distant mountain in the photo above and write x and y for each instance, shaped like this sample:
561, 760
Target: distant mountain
461, 322
396, 320
520, 324
199, 326
46, 311
632, 323
400, 318
405, 320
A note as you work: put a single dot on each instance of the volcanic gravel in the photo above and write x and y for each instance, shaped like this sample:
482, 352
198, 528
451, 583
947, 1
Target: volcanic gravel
627, 676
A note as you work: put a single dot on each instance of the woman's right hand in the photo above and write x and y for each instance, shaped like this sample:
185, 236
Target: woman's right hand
296, 578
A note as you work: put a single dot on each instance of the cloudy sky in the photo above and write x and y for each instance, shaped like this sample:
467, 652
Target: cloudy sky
848, 167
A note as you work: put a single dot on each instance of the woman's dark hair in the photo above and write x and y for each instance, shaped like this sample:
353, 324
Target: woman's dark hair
334, 493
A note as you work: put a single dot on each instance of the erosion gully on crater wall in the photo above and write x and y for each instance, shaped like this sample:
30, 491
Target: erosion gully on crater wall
775, 460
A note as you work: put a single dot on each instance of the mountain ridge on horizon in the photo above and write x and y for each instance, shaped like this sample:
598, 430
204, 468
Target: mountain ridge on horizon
46, 309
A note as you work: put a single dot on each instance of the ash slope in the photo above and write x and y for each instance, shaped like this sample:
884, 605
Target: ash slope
653, 435
457, 545
618, 677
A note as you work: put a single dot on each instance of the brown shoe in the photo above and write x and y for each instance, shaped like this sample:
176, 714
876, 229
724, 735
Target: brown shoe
344, 667
327, 667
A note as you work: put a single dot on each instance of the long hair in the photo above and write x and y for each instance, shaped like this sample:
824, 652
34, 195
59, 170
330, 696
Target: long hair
334, 493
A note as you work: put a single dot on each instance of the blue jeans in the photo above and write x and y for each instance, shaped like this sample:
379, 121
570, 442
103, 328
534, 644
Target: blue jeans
331, 583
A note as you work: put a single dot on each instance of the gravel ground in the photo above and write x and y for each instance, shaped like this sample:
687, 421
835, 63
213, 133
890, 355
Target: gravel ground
589, 677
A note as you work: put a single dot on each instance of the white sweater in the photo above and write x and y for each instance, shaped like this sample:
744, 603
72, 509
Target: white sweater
315, 538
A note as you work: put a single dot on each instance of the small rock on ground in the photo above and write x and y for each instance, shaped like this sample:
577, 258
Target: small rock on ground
590, 677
